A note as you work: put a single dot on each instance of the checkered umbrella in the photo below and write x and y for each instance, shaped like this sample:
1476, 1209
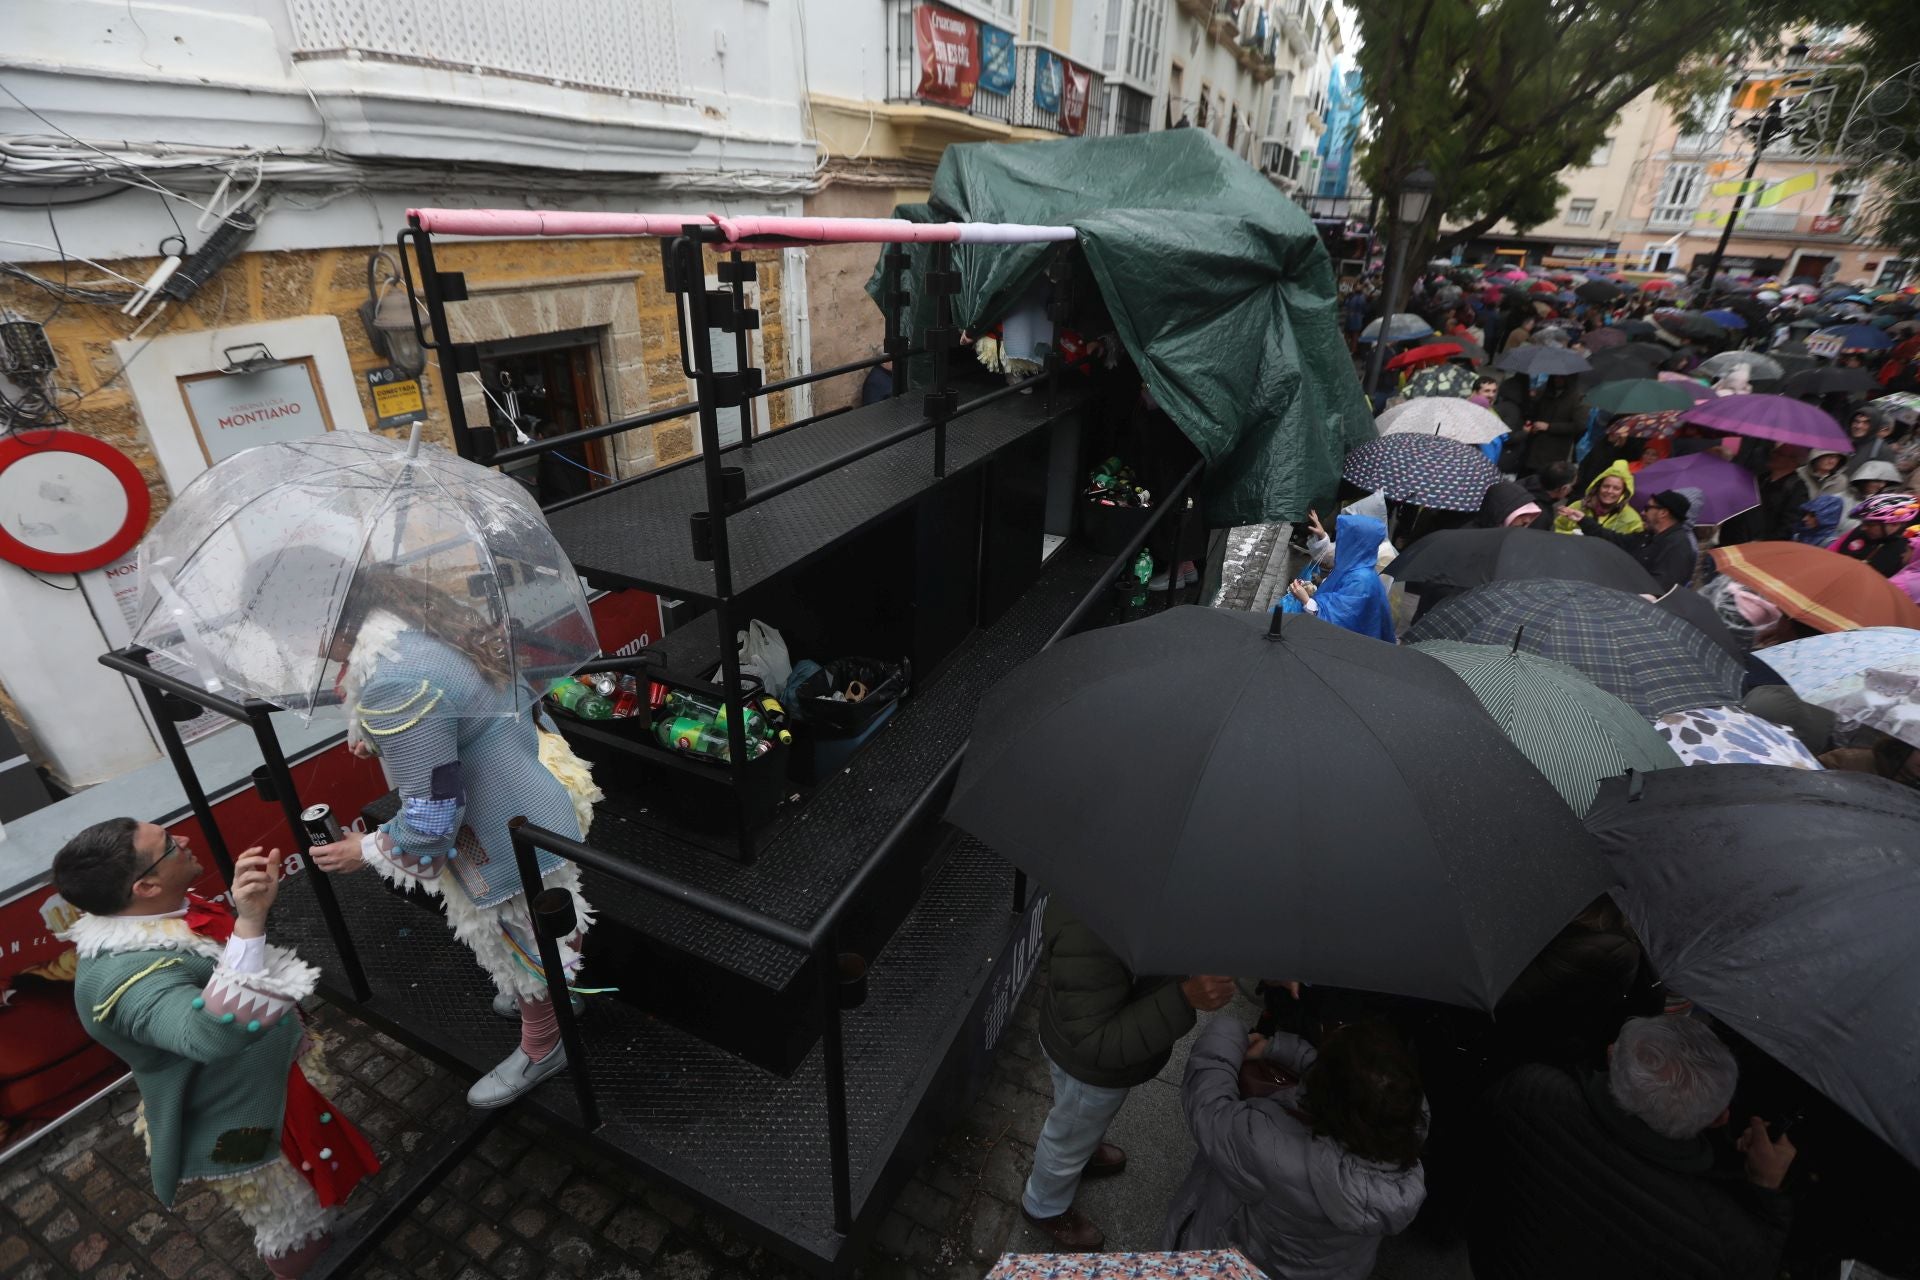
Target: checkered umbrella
1448, 380
1652, 660
1428, 470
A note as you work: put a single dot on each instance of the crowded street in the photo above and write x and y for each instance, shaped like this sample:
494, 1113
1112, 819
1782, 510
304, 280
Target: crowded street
959, 640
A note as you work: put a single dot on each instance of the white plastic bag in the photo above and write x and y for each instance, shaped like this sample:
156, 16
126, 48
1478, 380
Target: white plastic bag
763, 653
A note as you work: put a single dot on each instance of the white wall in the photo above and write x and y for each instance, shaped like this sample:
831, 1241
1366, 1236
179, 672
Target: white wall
1205, 61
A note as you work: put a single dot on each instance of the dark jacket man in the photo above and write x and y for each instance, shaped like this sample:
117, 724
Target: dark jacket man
1573, 1187
1664, 548
1103, 1025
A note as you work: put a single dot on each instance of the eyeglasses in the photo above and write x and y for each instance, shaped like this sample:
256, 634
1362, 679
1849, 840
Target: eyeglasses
173, 847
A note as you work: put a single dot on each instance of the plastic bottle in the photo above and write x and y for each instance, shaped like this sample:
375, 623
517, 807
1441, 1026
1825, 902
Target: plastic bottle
1142, 573
581, 699
691, 734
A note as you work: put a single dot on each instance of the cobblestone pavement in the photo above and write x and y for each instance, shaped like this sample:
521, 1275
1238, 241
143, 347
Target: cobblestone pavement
532, 1203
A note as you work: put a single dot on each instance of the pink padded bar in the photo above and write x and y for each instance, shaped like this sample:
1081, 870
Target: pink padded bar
739, 232
533, 222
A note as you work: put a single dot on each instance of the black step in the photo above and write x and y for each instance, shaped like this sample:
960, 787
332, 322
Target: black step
637, 535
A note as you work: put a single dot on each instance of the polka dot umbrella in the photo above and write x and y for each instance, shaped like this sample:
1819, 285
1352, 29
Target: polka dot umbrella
1427, 470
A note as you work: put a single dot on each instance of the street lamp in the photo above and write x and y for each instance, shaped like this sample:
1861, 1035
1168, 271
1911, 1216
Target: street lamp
388, 317
1765, 128
1410, 204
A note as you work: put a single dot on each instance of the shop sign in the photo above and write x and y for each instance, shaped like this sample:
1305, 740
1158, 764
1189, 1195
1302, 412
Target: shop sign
1826, 344
1078, 88
996, 60
399, 398
1047, 78
236, 411
948, 46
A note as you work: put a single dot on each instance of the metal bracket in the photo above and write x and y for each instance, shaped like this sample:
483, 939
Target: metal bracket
669, 267
942, 282
466, 357
721, 311
453, 285
724, 390
737, 272
746, 319
941, 405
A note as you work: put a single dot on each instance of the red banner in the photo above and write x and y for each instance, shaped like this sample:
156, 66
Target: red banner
1827, 224
949, 49
1075, 89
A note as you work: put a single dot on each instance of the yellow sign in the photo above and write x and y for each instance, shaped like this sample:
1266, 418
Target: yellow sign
397, 398
1786, 187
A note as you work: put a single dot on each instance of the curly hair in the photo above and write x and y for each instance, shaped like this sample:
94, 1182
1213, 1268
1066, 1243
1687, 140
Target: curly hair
1363, 1091
426, 608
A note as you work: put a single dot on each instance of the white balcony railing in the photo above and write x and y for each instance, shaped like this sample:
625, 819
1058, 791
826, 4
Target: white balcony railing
1671, 217
628, 47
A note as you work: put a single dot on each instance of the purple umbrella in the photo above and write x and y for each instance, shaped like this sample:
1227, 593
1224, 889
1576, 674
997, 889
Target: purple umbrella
1779, 418
1725, 489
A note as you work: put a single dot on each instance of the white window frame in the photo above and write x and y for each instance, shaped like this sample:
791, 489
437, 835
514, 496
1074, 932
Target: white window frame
1580, 212
1039, 22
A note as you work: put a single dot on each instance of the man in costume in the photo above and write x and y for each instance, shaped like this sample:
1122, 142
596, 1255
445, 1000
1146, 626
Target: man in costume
204, 1011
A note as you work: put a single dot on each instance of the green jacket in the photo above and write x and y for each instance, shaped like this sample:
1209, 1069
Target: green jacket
214, 1091
1102, 1025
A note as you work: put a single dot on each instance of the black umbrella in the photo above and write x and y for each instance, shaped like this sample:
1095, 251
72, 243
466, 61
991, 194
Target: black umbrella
1599, 291
1821, 382
1427, 470
1636, 328
1465, 558
1652, 660
1534, 358
1783, 902
1132, 770
1651, 353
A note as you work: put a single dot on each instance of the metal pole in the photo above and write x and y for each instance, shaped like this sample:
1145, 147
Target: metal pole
740, 349
940, 397
189, 780
463, 442
1397, 246
556, 975
1769, 124
898, 342
288, 798
834, 1059
693, 279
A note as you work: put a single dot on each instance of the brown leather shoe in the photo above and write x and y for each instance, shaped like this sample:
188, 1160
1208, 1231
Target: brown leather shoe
1071, 1230
1107, 1161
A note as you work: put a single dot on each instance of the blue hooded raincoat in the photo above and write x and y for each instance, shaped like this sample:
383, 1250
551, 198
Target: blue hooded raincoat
1353, 595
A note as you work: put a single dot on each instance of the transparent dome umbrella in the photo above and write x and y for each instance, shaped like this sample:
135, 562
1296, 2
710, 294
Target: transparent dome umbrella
261, 573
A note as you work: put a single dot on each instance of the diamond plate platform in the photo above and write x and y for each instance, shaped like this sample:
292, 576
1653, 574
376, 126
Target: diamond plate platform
746, 1141
637, 535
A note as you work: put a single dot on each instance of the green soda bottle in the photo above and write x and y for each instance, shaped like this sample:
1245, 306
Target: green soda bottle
1142, 573
581, 699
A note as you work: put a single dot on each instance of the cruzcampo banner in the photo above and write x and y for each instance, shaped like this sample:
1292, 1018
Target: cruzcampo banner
1047, 69
948, 46
996, 60
1076, 88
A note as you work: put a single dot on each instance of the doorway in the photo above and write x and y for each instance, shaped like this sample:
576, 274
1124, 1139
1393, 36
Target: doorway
543, 386
1812, 267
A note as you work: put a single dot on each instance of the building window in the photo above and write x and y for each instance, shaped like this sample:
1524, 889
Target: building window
1040, 21
1202, 112
1135, 35
1580, 213
1601, 155
1843, 204
1132, 110
1176, 105
1679, 194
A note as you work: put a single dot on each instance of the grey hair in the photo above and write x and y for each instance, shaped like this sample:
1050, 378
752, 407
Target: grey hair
1673, 1073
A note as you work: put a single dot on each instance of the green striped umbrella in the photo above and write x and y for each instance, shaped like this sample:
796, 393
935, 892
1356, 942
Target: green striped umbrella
1575, 733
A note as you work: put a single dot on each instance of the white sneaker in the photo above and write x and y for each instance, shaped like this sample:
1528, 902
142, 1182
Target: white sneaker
508, 1007
513, 1077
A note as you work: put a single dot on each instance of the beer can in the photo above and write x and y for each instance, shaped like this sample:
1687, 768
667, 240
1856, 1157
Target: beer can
318, 822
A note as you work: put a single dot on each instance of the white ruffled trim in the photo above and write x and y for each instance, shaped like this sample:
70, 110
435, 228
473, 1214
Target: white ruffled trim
286, 979
481, 930
377, 639
109, 935
279, 1205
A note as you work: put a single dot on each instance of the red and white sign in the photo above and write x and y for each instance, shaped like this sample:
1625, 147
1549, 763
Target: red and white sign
1826, 224
948, 46
1075, 89
68, 502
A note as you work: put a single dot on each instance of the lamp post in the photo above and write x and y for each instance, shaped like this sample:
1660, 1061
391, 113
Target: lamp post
1766, 127
1410, 210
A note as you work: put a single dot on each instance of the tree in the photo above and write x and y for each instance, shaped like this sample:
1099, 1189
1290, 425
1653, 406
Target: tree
1496, 97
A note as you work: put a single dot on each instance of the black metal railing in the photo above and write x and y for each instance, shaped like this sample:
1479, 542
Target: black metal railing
903, 66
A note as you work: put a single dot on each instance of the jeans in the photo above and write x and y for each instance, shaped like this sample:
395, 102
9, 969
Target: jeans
1074, 1128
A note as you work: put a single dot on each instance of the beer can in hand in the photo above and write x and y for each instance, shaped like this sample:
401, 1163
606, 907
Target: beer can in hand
318, 822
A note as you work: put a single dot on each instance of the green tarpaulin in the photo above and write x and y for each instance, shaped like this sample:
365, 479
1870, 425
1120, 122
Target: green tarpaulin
1218, 285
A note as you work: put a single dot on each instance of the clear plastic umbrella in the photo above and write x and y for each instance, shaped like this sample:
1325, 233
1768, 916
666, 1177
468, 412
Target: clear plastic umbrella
262, 571
1455, 419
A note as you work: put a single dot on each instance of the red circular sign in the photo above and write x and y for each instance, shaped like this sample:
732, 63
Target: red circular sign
31, 533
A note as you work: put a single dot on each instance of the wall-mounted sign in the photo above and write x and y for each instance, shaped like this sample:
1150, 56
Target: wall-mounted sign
399, 398
949, 50
996, 60
1076, 90
1048, 71
235, 411
68, 502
